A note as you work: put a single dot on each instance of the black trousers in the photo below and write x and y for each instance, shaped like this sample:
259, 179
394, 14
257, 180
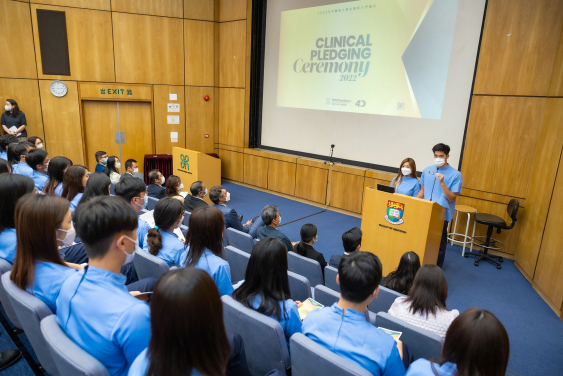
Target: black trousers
237, 365
443, 242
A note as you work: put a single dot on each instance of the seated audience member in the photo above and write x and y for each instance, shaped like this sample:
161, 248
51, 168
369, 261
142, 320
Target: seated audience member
401, 279
272, 219
19, 164
12, 187
112, 169
342, 328
43, 223
173, 188
351, 241
219, 197
36, 141
425, 305
74, 182
13, 158
94, 307
130, 169
204, 245
161, 241
5, 167
101, 160
56, 172
198, 191
134, 191
98, 185
6, 140
38, 160
265, 288
155, 188
309, 236
186, 309
476, 344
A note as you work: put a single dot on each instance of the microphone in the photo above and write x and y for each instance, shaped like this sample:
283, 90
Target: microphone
434, 183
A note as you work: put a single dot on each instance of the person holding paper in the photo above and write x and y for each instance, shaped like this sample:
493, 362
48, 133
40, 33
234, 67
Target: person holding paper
14, 121
406, 182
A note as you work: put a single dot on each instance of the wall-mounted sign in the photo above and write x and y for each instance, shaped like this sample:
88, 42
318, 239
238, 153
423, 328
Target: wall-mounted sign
115, 91
173, 107
173, 119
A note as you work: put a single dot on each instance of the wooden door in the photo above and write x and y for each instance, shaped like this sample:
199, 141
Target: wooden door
136, 123
100, 125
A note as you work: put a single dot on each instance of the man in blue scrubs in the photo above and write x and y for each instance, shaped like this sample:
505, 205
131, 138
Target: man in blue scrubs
342, 328
38, 160
441, 183
22, 168
134, 191
94, 307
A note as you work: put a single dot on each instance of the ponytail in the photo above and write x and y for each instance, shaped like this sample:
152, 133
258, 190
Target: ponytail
308, 233
154, 240
300, 248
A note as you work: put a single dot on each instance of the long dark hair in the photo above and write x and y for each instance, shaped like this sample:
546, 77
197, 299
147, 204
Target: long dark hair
37, 219
72, 181
477, 343
187, 326
172, 182
401, 279
399, 177
12, 187
166, 212
205, 230
429, 291
15, 108
266, 276
98, 185
5, 167
110, 166
308, 233
56, 172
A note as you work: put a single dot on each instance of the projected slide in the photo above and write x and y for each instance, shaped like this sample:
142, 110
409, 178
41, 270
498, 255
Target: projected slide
383, 57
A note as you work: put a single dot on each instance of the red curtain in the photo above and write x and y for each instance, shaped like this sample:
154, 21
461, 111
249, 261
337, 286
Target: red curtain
161, 162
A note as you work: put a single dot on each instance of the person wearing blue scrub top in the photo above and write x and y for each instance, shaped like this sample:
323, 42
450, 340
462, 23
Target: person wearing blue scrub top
441, 183
74, 181
94, 307
56, 171
38, 160
22, 168
406, 182
134, 191
161, 241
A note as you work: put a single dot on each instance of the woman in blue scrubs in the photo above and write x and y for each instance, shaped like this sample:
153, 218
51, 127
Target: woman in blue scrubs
56, 172
74, 182
161, 241
406, 182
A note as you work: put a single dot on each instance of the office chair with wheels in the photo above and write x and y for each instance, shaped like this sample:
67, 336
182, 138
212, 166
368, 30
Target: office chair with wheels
487, 242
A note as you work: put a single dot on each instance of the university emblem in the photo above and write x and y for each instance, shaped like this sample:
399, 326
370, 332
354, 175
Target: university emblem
395, 212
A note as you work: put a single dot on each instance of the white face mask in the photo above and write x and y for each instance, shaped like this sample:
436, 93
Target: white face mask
118, 165
228, 197
136, 171
69, 237
46, 166
40, 146
406, 171
162, 180
439, 162
130, 256
205, 192
8, 108
181, 187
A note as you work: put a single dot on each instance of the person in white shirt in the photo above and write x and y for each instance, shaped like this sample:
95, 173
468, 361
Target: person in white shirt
112, 169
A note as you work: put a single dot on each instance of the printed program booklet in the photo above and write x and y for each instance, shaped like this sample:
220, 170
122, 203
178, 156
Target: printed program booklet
308, 306
396, 335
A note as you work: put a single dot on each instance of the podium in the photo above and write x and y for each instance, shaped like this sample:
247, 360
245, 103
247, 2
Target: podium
191, 166
393, 224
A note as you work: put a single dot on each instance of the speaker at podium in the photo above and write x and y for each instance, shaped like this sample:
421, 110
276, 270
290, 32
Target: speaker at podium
191, 166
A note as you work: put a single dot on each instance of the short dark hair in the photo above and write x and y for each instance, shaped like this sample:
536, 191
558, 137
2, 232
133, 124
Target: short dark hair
429, 291
359, 275
215, 194
99, 155
195, 188
153, 175
129, 163
18, 150
441, 147
35, 157
129, 188
98, 220
6, 140
351, 239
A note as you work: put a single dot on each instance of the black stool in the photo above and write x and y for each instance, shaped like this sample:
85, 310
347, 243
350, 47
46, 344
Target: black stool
488, 242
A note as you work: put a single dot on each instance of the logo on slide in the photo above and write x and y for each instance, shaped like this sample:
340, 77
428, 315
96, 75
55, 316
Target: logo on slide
184, 159
395, 212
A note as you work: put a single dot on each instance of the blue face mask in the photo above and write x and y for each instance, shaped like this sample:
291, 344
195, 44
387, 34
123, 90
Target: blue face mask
146, 201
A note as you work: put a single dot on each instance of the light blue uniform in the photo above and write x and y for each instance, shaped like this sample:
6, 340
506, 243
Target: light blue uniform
59, 189
8, 241
40, 180
217, 268
142, 229
47, 282
75, 201
97, 312
352, 337
433, 190
423, 367
22, 168
409, 186
4, 155
290, 320
172, 248
141, 364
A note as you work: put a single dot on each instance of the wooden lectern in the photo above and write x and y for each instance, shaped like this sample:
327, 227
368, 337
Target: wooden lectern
393, 224
192, 166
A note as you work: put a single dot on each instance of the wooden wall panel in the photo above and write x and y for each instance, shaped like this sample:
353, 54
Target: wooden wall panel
346, 191
232, 55
148, 49
61, 121
256, 171
231, 165
200, 118
17, 35
136, 122
88, 4
89, 44
99, 122
541, 180
311, 183
230, 10
518, 47
231, 117
281, 177
26, 93
199, 39
199, 9
162, 129
502, 135
167, 8
556, 84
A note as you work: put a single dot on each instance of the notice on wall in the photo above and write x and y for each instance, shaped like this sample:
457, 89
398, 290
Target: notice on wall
173, 119
173, 97
173, 136
173, 107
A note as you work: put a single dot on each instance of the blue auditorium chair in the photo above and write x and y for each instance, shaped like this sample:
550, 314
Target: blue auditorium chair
299, 286
240, 240
384, 300
151, 203
147, 265
186, 220
308, 268
238, 261
225, 238
112, 189
5, 267
330, 278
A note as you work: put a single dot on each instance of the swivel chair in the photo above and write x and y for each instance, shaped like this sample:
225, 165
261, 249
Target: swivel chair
488, 242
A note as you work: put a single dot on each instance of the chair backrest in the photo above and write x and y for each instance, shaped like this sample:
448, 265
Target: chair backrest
264, 340
186, 220
384, 300
147, 265
512, 210
69, 358
299, 287
238, 261
306, 267
308, 358
326, 296
330, 278
225, 238
184, 230
151, 203
421, 342
112, 189
5, 267
240, 240
30, 311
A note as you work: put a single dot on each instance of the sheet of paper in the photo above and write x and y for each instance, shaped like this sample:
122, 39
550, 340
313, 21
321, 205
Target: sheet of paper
308, 306
173, 97
396, 335
13, 129
179, 234
148, 217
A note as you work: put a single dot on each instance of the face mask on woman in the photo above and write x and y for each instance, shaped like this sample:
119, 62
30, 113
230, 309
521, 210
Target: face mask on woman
8, 108
69, 237
406, 171
181, 187
118, 165
40, 146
